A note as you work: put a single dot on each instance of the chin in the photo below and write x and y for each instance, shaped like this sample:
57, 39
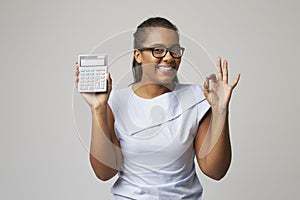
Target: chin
166, 80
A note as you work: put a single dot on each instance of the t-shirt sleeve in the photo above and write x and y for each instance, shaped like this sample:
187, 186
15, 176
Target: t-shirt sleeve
202, 105
202, 108
111, 102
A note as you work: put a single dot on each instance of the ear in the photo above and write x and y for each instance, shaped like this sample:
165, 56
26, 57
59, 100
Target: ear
138, 56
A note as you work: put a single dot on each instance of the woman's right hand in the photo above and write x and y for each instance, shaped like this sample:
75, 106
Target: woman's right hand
95, 100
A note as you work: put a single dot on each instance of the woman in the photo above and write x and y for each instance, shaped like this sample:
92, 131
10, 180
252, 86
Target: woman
150, 132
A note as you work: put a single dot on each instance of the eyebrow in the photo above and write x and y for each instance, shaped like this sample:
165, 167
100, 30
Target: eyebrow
162, 45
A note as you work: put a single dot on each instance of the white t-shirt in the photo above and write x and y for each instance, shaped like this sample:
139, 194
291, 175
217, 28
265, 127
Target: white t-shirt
156, 137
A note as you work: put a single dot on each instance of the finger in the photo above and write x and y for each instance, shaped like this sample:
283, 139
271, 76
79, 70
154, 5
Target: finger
76, 75
212, 78
76, 68
206, 86
108, 77
225, 71
76, 82
236, 80
219, 69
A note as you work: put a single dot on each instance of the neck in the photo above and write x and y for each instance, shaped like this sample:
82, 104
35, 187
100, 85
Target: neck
152, 90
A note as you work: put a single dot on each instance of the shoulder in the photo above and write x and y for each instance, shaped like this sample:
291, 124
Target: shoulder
117, 96
193, 91
193, 97
120, 92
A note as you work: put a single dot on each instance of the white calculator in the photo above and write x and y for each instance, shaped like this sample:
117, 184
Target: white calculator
92, 73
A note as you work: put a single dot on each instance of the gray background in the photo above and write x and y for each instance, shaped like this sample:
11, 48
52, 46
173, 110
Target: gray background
44, 157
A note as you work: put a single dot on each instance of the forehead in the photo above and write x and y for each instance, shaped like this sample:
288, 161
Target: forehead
164, 36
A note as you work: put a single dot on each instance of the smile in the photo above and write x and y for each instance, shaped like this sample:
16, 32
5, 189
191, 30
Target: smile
163, 68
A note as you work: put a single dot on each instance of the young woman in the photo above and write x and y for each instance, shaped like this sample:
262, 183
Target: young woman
150, 132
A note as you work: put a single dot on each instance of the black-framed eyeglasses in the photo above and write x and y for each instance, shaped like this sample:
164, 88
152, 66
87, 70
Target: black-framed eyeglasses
160, 52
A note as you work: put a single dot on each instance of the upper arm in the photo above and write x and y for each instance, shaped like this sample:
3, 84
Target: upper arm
114, 139
201, 133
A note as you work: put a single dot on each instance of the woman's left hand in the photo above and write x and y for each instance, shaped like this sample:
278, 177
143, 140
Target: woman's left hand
217, 90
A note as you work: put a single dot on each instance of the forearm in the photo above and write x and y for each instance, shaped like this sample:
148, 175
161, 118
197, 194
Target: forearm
102, 150
214, 141
216, 151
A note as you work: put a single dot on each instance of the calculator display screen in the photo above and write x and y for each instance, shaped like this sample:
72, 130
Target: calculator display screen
92, 62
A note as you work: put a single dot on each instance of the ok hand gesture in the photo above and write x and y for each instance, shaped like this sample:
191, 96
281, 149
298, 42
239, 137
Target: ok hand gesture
216, 88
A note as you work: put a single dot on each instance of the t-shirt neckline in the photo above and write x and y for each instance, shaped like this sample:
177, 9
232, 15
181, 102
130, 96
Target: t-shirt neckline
154, 98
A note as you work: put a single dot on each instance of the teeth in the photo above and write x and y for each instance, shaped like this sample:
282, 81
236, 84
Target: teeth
165, 68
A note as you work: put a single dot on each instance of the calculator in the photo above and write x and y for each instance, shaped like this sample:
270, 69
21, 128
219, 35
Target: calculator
92, 73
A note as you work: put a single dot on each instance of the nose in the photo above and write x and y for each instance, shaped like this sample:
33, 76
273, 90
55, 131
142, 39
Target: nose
168, 57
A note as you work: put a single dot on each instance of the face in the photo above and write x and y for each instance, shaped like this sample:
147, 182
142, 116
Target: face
158, 70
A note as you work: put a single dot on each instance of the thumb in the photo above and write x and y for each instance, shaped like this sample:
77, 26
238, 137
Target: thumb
109, 83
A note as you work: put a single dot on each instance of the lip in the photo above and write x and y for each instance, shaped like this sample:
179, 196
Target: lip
172, 66
165, 69
166, 66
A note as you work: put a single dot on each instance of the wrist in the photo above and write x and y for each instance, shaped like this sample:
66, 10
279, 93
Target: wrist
102, 108
219, 110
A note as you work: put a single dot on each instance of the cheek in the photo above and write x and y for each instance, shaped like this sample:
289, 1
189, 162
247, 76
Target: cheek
150, 62
177, 63
148, 68
153, 61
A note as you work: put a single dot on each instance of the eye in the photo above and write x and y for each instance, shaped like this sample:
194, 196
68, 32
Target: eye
176, 50
159, 50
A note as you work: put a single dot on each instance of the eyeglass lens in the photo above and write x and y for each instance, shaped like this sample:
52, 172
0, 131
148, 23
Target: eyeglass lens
162, 51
